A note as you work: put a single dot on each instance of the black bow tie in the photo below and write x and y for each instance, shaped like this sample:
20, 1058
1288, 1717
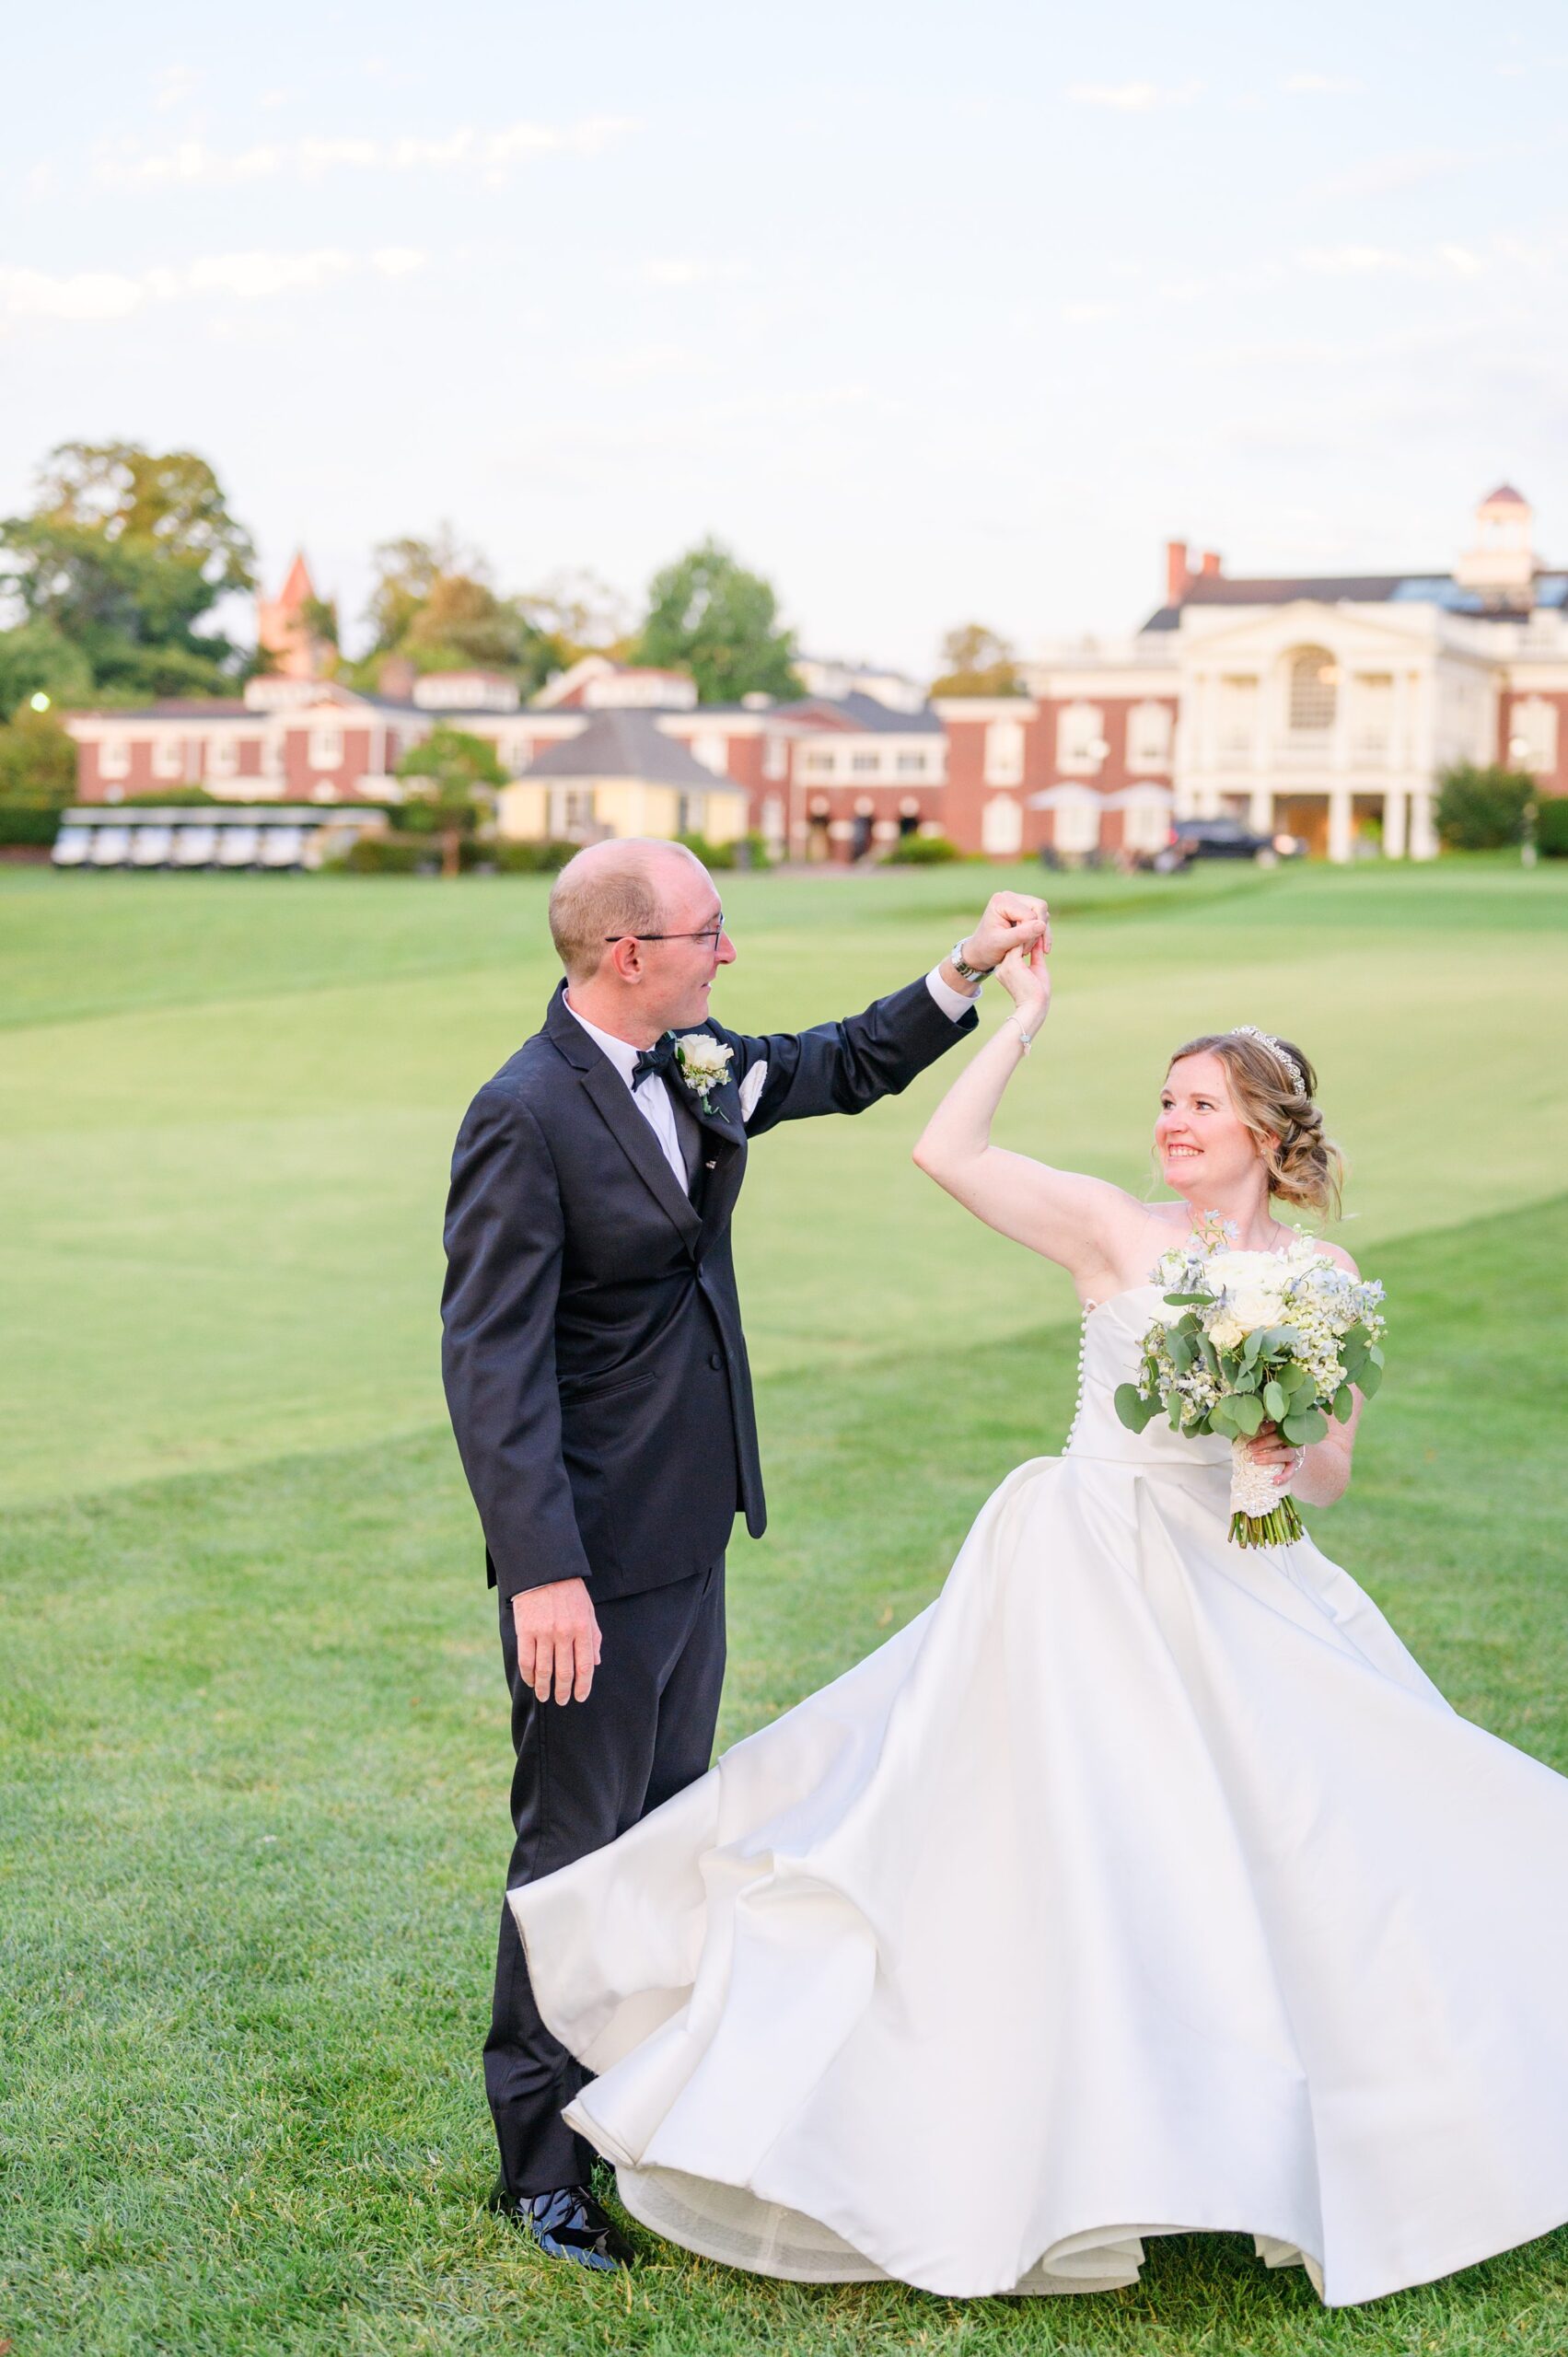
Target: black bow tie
658, 1058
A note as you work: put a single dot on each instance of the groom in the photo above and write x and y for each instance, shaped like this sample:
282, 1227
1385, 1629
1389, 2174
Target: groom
596, 1377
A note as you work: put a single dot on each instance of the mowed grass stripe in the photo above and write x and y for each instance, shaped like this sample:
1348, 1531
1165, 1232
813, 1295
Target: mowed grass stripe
222, 1239
254, 1764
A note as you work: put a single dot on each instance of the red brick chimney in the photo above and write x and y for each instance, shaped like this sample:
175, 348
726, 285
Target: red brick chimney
396, 678
1176, 574
1209, 564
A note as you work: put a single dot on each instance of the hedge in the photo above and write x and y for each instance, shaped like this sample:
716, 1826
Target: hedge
922, 851
1552, 826
29, 822
1481, 809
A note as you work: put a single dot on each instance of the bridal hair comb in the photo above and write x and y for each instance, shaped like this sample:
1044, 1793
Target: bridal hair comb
1250, 1031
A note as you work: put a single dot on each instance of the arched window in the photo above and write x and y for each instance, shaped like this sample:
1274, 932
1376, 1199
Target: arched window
1314, 686
1004, 753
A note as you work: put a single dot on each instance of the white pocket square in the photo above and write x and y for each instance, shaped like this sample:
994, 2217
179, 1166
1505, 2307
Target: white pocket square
751, 1088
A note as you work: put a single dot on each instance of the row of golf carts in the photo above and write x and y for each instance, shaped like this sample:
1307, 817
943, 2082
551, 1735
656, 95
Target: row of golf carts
198, 836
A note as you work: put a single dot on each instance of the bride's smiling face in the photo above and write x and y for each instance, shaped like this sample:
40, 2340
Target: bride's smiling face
1205, 1146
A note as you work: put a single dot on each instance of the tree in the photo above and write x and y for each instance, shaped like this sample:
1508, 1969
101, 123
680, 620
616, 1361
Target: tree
434, 606
580, 615
37, 658
709, 617
38, 761
125, 552
447, 769
976, 662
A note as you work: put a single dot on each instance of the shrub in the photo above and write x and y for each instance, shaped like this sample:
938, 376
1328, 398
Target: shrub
29, 822
1552, 826
1481, 809
922, 851
390, 856
712, 856
169, 797
528, 859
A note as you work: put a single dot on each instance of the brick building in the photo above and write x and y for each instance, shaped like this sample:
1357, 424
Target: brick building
1326, 707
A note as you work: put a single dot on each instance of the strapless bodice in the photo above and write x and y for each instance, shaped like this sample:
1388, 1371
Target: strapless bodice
1108, 1355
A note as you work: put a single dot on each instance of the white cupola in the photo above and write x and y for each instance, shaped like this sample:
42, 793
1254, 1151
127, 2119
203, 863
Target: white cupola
1501, 556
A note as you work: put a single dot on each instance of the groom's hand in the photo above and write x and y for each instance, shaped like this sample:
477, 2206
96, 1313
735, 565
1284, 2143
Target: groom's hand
1012, 920
558, 1640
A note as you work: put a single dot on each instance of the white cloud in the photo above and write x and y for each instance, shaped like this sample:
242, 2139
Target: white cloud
194, 163
1385, 175
1371, 262
239, 277
174, 85
1085, 315
1132, 97
689, 270
1323, 85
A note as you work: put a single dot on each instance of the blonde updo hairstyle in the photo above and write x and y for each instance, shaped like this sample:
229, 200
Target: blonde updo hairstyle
1304, 1167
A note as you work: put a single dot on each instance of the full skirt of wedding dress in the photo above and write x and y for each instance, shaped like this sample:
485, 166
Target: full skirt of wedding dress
1140, 1884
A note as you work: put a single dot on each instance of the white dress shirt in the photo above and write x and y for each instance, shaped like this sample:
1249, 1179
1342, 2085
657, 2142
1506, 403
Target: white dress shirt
652, 1097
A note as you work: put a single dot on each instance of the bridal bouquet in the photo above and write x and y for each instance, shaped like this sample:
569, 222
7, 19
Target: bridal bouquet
1260, 1336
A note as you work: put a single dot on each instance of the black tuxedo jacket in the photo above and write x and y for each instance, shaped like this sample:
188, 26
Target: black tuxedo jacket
593, 1362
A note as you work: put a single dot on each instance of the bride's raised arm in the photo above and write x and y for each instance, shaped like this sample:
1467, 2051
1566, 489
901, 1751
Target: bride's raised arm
1096, 1231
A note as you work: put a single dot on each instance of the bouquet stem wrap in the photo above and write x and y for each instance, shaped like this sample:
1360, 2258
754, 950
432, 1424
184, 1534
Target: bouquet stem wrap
1261, 1515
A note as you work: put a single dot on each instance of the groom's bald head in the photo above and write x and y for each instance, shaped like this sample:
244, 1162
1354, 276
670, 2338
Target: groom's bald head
618, 888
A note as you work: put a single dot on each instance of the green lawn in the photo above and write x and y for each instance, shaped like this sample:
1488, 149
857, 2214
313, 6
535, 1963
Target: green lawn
253, 1752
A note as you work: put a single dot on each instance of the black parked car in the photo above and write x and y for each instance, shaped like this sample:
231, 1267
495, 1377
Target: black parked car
1193, 838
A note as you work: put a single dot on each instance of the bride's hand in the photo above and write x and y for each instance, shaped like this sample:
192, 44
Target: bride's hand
1025, 975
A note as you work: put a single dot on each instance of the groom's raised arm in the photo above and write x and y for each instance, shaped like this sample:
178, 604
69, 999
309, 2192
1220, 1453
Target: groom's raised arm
505, 1233
843, 1067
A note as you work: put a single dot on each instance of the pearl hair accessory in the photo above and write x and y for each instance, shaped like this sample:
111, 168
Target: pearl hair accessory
1250, 1031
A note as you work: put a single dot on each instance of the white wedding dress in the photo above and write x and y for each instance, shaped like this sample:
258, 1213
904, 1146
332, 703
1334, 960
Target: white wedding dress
1140, 1884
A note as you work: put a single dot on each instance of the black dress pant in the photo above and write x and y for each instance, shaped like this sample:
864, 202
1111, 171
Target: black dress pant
584, 1772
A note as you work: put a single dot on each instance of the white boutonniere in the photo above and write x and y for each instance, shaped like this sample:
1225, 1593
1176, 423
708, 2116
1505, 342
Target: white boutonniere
704, 1064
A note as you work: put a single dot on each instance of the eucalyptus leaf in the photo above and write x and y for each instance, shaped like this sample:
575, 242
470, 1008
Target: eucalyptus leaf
1304, 1427
1133, 1411
1371, 1378
1274, 1399
1248, 1416
1344, 1403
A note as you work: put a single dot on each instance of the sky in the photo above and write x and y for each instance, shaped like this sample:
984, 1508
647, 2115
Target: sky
930, 313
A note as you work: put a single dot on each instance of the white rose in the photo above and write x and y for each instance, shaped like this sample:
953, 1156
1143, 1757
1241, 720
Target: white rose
1226, 1332
704, 1062
1254, 1306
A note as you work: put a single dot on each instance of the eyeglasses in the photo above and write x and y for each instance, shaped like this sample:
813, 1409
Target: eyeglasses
712, 932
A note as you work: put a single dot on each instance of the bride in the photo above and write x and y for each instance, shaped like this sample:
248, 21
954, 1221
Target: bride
1142, 1885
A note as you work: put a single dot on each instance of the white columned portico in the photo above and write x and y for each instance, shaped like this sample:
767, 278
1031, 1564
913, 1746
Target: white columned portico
1261, 808
1395, 820
1342, 824
1422, 832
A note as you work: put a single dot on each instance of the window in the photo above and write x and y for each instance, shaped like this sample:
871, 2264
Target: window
912, 764
1004, 753
574, 810
169, 757
515, 752
114, 757
1314, 691
1080, 736
326, 750
774, 818
866, 765
1146, 823
1238, 730
1148, 736
709, 747
1000, 827
1077, 823
691, 809
1532, 734
223, 756
775, 757
820, 764
1372, 710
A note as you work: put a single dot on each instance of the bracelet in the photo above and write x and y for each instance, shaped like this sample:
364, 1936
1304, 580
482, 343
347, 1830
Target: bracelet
1026, 1037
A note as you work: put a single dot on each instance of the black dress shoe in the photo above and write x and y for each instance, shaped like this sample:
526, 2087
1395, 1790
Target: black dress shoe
569, 2223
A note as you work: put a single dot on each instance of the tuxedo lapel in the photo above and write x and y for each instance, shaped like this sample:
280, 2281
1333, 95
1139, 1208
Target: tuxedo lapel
637, 1142
613, 1100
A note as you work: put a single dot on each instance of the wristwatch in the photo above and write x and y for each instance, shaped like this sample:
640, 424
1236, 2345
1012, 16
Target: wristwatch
961, 966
